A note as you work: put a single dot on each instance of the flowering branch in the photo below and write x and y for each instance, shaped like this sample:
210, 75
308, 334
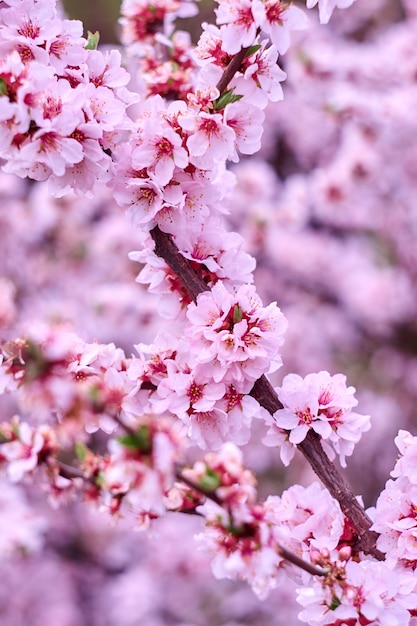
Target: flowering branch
167, 250
265, 394
231, 69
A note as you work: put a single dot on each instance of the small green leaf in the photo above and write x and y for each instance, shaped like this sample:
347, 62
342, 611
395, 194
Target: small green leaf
226, 98
80, 451
252, 50
94, 394
92, 40
335, 603
3, 438
3, 87
140, 440
210, 481
100, 480
237, 314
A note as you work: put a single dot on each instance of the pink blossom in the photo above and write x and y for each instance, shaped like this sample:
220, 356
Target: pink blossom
234, 334
246, 122
160, 152
369, 590
264, 73
278, 19
238, 26
406, 464
184, 392
305, 518
209, 138
323, 403
326, 7
219, 250
22, 452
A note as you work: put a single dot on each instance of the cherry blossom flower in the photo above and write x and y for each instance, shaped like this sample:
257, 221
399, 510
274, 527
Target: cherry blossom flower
395, 512
21, 448
265, 75
209, 140
159, 152
278, 19
246, 122
140, 19
323, 403
234, 334
305, 519
237, 24
368, 592
326, 7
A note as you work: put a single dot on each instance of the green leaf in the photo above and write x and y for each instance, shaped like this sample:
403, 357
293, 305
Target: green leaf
335, 603
80, 451
140, 440
94, 394
226, 98
237, 314
252, 50
99, 481
3, 438
92, 40
210, 481
3, 87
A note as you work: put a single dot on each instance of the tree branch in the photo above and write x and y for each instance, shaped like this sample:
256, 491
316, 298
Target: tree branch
167, 250
265, 394
231, 69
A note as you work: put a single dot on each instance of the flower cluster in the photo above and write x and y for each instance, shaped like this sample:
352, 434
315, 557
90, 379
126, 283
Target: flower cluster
65, 381
248, 539
355, 593
322, 403
395, 516
133, 478
23, 448
234, 335
169, 378
62, 103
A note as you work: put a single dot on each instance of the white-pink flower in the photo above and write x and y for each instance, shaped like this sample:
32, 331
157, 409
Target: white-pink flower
326, 7
22, 453
234, 335
247, 123
238, 26
160, 151
323, 403
209, 139
278, 19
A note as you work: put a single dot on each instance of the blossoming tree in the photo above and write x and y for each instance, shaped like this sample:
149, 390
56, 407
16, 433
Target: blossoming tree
148, 147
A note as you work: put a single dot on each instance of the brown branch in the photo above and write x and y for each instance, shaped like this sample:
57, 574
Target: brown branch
208, 493
231, 69
286, 554
339, 488
68, 471
167, 250
299, 562
265, 394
